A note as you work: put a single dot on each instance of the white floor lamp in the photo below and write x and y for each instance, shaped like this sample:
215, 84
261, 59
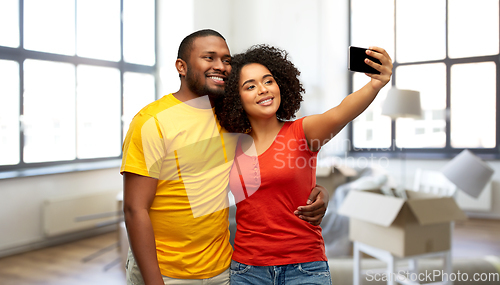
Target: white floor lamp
468, 172
402, 103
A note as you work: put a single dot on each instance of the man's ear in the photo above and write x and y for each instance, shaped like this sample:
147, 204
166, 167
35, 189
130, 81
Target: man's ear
181, 67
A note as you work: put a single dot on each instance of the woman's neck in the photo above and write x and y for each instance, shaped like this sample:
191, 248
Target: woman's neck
264, 132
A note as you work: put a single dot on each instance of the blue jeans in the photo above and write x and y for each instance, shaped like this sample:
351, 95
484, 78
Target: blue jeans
317, 272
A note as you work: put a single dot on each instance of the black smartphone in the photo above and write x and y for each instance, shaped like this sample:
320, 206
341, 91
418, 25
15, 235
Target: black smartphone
356, 61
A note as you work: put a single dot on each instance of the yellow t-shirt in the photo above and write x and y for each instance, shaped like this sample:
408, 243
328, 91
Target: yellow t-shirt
184, 148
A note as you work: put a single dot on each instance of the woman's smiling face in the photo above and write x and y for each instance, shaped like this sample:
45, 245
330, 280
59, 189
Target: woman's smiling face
260, 94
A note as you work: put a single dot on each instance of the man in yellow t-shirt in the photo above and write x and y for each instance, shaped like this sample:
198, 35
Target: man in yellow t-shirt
176, 162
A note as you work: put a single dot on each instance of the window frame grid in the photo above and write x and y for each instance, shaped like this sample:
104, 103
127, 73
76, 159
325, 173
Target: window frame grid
20, 54
448, 150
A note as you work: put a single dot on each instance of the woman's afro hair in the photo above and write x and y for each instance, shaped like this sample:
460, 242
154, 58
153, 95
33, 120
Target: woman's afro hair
229, 108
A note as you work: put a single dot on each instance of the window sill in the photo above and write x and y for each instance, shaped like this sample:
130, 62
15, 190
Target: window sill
58, 169
418, 155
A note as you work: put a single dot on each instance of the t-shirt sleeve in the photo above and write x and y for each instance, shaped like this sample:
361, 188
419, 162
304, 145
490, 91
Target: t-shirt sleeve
298, 131
143, 147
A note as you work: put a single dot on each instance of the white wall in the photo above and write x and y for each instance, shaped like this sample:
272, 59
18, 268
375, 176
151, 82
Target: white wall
216, 15
291, 25
22, 198
175, 21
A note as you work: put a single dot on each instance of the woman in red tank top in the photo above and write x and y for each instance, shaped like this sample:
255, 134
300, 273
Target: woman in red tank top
274, 167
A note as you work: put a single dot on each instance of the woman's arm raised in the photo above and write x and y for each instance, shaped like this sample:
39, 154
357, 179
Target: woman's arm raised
321, 128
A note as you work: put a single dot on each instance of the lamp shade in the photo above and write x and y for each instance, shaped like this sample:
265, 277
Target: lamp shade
468, 172
402, 103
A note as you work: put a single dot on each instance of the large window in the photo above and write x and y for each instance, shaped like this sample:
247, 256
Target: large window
72, 75
448, 50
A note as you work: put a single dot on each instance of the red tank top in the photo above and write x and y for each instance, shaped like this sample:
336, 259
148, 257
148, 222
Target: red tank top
268, 189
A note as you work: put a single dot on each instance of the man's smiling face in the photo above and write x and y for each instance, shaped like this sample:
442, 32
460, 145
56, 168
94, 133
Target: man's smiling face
208, 66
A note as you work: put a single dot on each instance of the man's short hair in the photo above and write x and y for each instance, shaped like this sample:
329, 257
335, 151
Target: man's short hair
187, 43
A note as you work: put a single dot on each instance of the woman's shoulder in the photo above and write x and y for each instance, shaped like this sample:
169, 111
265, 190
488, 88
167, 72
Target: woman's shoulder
295, 127
295, 123
299, 120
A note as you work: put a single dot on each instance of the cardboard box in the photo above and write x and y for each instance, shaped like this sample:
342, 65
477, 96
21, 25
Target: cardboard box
332, 177
418, 225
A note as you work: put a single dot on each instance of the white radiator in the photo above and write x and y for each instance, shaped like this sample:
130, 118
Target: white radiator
71, 214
